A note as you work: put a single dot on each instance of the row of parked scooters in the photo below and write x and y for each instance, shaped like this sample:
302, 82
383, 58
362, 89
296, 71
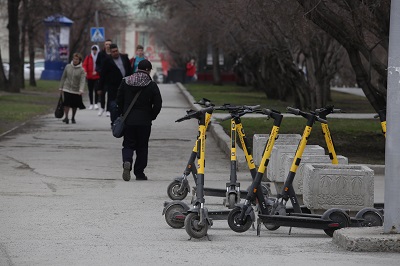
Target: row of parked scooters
273, 212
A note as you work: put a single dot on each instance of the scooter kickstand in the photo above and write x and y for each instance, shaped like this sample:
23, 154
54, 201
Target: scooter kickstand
208, 238
290, 230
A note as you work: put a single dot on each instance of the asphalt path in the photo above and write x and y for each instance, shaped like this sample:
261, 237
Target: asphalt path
63, 201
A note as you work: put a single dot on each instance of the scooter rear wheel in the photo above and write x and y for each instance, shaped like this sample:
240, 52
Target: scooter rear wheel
170, 216
173, 191
192, 226
279, 211
233, 221
337, 217
371, 219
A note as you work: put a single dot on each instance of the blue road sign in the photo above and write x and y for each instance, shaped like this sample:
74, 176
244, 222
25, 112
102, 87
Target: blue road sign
97, 34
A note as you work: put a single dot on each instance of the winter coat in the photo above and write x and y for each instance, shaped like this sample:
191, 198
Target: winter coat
148, 104
73, 79
190, 69
88, 66
110, 76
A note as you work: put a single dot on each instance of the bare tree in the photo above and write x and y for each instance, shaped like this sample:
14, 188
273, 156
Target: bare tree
26, 29
362, 28
15, 82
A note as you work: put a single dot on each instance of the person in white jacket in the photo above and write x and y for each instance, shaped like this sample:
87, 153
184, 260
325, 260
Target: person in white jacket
72, 85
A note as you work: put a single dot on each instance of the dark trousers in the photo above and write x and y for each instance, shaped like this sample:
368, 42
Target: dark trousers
136, 138
113, 109
91, 83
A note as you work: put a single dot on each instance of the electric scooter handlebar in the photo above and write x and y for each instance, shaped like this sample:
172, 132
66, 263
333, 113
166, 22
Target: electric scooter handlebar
204, 102
234, 110
195, 114
381, 115
306, 115
276, 115
323, 112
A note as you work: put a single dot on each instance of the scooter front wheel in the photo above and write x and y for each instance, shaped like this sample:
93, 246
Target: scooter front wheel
192, 226
235, 225
173, 191
174, 216
231, 200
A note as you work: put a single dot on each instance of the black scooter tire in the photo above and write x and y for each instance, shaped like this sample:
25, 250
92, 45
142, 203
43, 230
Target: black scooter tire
371, 219
192, 226
170, 216
231, 200
273, 227
337, 217
172, 191
234, 225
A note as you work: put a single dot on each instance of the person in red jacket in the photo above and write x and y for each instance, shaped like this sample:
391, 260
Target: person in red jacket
92, 77
190, 71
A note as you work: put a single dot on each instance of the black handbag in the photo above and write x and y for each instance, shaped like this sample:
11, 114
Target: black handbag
119, 124
59, 112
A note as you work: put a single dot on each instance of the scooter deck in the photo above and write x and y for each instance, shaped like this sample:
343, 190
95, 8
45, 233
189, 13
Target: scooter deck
303, 220
217, 192
218, 215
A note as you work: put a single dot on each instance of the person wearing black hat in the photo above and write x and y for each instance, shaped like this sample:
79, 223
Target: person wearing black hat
139, 120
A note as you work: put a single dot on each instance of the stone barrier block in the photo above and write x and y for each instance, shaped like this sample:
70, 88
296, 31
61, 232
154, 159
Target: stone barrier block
259, 141
275, 171
348, 187
310, 159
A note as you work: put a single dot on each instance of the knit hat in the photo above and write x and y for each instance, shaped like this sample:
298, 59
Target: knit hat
145, 65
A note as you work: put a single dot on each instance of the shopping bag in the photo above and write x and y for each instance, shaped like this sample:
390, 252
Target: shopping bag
59, 112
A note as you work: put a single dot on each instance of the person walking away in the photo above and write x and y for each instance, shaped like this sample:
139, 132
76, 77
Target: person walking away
99, 64
114, 68
136, 59
190, 71
92, 77
72, 86
139, 120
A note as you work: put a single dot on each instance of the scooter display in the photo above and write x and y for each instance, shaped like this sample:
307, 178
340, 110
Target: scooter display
197, 221
175, 211
179, 188
276, 215
242, 216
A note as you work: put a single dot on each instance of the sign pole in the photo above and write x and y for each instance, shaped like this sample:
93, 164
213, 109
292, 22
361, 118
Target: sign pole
392, 154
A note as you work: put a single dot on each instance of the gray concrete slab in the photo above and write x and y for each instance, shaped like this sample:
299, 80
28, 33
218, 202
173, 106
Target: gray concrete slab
63, 201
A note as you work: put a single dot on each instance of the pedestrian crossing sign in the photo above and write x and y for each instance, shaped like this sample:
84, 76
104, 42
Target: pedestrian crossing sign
97, 34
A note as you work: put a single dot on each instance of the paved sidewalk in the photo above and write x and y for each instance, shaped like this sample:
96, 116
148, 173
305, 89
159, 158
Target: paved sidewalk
350, 90
63, 201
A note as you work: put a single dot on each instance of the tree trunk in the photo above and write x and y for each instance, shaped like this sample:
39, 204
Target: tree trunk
14, 46
216, 71
377, 100
3, 78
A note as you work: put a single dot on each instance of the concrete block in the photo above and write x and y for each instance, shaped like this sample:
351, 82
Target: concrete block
349, 187
259, 141
275, 169
310, 159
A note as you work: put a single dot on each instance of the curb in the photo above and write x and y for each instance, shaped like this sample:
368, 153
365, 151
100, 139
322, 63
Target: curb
366, 239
